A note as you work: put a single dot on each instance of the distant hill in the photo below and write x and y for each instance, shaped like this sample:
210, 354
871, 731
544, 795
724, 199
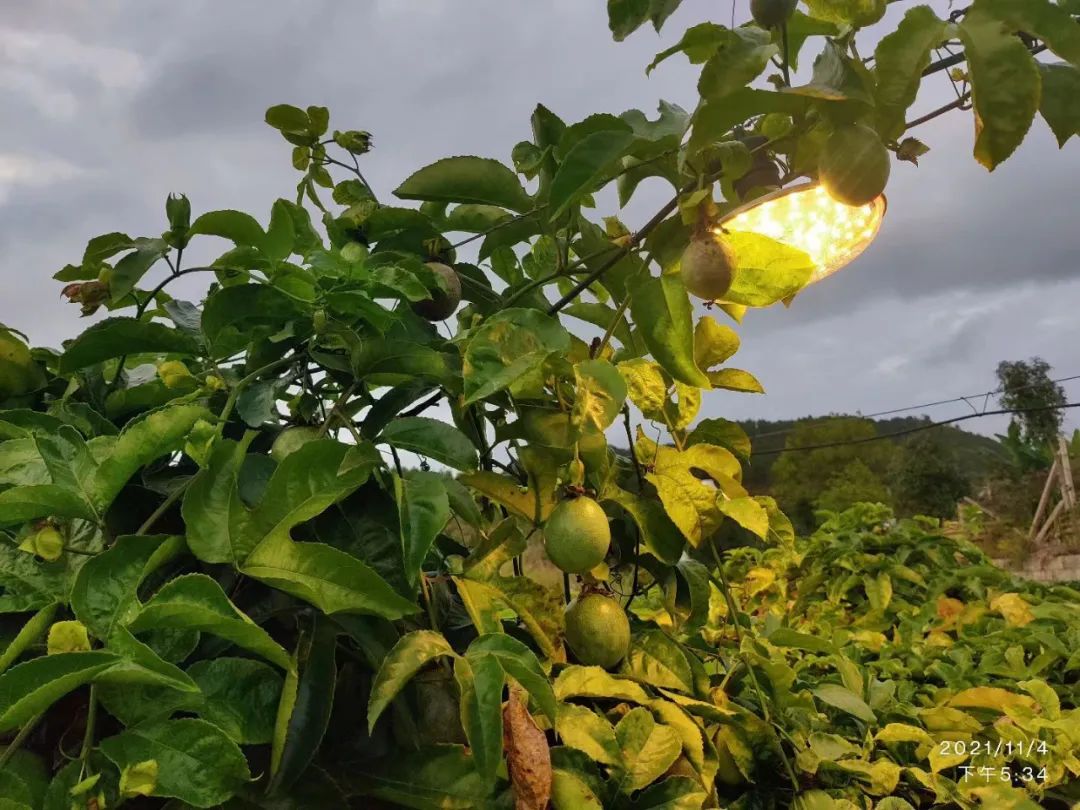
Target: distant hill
978, 456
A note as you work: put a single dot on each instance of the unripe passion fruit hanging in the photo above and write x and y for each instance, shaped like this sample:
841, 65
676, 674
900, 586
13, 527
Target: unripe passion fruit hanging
707, 267
577, 535
854, 165
441, 305
597, 630
771, 13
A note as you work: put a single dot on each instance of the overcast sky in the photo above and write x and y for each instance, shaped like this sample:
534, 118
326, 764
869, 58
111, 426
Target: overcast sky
110, 105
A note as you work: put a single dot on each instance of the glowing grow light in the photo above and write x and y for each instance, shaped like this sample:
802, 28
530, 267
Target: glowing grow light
806, 217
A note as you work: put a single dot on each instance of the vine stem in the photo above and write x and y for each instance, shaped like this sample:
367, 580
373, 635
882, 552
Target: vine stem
641, 487
88, 735
230, 403
164, 506
19, 740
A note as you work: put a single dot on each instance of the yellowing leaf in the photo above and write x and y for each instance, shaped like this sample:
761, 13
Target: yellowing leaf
713, 343
748, 513
599, 394
645, 385
989, 697
758, 580
1014, 608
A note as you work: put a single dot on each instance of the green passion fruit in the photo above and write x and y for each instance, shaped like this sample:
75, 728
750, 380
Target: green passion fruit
597, 630
292, 439
854, 165
441, 305
707, 267
577, 535
772, 13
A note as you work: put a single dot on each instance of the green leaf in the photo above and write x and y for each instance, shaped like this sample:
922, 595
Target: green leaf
648, 749
431, 438
412, 653
738, 58
842, 698
311, 707
587, 162
466, 179
674, 793
218, 526
197, 763
900, 59
767, 271
20, 504
600, 392
786, 637
480, 683
836, 77
508, 346
717, 118
105, 592
144, 440
423, 510
330, 579
29, 634
521, 664
723, 433
441, 776
659, 535
114, 337
1005, 86
287, 118
1041, 19
699, 42
748, 513
245, 306
626, 16
588, 732
235, 226
131, 268
657, 660
1060, 101
239, 696
281, 234
594, 682
664, 319
197, 602
29, 688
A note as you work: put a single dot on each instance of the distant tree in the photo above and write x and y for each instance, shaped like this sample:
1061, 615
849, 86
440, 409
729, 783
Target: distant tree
927, 480
800, 478
856, 483
1026, 385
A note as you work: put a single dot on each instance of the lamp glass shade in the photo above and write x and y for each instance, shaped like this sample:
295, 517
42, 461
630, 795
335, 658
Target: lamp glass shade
832, 233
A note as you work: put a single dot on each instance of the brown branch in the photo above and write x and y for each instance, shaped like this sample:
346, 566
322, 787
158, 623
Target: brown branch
955, 104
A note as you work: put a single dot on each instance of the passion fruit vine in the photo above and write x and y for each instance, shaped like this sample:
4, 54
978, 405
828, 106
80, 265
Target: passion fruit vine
441, 305
707, 267
597, 630
854, 165
577, 535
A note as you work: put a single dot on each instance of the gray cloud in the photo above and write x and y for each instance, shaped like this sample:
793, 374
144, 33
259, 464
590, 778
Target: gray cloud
135, 100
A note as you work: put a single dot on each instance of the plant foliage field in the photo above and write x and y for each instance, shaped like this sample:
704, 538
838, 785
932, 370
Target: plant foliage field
282, 548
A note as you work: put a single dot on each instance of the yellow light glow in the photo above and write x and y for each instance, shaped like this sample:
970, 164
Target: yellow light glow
806, 217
